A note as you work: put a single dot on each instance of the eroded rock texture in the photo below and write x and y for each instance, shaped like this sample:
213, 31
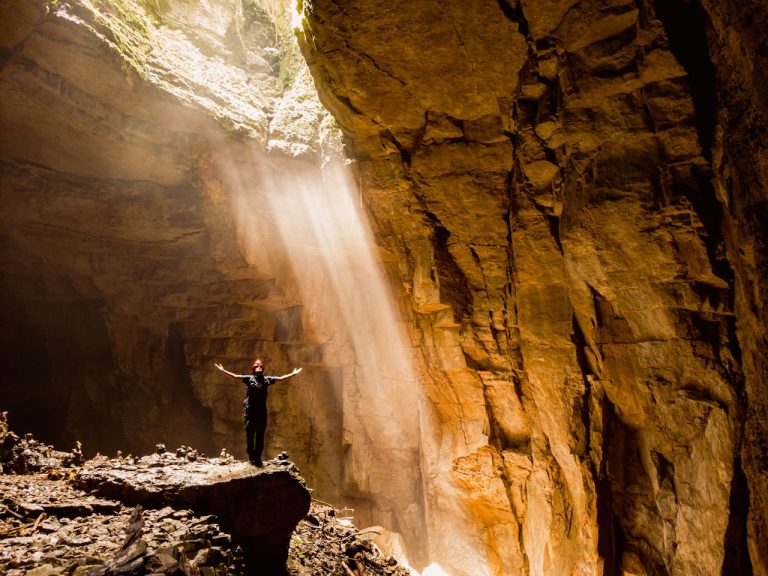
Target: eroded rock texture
124, 277
575, 191
569, 198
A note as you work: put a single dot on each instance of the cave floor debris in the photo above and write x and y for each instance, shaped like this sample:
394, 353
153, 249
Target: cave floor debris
326, 542
49, 526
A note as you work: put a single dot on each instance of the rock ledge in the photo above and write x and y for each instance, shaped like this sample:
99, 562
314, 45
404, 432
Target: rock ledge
259, 507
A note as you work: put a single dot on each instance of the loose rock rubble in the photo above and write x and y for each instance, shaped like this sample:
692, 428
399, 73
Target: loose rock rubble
26, 455
327, 543
259, 507
51, 527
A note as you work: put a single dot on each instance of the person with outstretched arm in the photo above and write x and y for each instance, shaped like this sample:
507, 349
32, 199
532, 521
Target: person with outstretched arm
255, 405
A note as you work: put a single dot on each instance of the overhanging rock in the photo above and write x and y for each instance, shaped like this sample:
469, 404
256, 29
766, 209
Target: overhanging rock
259, 507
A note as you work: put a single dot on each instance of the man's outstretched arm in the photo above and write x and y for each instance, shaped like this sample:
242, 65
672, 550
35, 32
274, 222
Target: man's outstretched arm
228, 373
286, 376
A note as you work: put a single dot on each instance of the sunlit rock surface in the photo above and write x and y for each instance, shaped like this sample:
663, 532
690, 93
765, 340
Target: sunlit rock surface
124, 276
162, 166
572, 191
569, 199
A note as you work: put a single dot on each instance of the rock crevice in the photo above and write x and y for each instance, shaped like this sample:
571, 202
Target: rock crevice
595, 141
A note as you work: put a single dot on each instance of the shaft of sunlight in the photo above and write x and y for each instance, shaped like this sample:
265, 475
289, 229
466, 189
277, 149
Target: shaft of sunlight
327, 240
313, 219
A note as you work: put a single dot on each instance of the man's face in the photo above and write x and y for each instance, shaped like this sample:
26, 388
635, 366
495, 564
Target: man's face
258, 367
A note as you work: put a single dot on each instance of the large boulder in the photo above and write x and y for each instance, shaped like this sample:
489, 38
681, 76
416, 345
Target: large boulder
259, 507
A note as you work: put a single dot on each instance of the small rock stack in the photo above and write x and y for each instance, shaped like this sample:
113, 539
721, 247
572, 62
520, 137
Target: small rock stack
25, 455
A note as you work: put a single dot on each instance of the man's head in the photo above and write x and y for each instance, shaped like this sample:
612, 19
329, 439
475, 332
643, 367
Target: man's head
258, 366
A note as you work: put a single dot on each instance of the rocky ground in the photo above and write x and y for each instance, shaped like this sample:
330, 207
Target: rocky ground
49, 526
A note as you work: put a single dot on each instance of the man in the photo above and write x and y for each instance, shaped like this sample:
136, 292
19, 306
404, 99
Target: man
255, 405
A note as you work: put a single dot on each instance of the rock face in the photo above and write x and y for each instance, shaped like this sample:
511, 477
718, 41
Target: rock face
740, 160
574, 201
124, 275
569, 201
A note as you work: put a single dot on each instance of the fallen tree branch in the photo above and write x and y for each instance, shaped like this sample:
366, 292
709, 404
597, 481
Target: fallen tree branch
19, 516
22, 527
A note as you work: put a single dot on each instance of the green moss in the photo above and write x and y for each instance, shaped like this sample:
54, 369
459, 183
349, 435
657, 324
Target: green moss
156, 9
130, 14
125, 25
291, 60
50, 5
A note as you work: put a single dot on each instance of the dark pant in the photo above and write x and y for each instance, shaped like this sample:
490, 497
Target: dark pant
255, 427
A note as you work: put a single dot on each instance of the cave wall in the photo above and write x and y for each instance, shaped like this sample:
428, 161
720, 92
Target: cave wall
737, 43
163, 168
568, 199
125, 276
575, 192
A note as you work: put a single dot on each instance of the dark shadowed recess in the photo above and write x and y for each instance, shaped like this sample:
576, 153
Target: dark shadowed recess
610, 544
685, 22
453, 283
45, 347
736, 561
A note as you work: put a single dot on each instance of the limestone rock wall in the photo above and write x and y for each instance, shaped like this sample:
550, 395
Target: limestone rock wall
568, 199
566, 186
125, 275
163, 168
738, 47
